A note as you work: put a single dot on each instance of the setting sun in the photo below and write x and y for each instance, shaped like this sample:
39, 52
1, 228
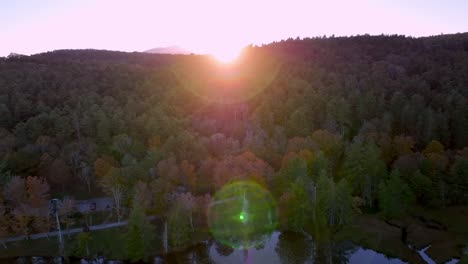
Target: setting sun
213, 131
226, 54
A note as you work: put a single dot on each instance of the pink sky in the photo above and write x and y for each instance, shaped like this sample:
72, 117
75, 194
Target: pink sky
211, 26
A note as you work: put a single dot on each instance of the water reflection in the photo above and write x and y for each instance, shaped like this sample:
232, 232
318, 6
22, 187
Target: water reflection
282, 247
222, 249
200, 254
294, 248
369, 256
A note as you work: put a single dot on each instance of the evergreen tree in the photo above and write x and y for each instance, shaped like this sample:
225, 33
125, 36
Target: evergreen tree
334, 201
458, 181
317, 164
295, 208
364, 169
293, 168
421, 186
140, 235
180, 230
395, 197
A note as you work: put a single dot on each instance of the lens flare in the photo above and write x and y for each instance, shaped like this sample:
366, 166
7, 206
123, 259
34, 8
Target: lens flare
226, 55
232, 83
242, 215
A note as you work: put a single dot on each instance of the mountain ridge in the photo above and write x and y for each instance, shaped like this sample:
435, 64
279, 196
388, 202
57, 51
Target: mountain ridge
174, 49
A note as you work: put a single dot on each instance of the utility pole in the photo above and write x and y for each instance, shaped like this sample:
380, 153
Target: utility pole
165, 236
54, 204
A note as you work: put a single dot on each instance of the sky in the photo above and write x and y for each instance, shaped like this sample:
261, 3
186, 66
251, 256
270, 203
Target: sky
212, 26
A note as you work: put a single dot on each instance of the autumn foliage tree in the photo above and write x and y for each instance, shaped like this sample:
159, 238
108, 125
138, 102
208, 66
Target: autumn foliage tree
245, 166
29, 198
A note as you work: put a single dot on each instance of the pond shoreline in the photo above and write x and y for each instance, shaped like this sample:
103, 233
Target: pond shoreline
405, 238
402, 239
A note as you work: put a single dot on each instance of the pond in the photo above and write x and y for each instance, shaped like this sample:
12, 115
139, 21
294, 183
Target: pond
281, 247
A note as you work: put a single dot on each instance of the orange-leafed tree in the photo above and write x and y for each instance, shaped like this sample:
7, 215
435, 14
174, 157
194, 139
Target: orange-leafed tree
245, 166
169, 170
154, 142
14, 191
37, 191
22, 219
103, 165
403, 145
59, 173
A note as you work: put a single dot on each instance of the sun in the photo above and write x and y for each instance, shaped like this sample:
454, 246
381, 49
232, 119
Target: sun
226, 55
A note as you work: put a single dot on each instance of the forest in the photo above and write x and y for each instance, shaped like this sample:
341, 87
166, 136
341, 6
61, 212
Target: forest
333, 127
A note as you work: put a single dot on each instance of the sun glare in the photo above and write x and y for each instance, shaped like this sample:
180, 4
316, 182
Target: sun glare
226, 55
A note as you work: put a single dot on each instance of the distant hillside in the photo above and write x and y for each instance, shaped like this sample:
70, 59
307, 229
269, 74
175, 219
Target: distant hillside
169, 50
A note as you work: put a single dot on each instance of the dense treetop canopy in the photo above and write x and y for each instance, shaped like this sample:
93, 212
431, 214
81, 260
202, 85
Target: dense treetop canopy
297, 116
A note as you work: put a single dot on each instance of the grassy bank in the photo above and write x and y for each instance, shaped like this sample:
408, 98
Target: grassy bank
110, 243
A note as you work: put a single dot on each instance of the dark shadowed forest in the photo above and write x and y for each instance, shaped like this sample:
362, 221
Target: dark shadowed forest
336, 128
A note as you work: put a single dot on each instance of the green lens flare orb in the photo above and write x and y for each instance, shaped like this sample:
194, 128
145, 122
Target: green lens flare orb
242, 215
